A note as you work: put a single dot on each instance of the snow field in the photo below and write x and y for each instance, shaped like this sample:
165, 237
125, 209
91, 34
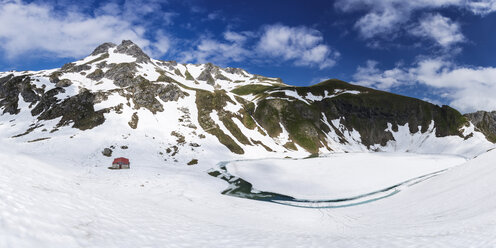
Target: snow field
340, 175
53, 197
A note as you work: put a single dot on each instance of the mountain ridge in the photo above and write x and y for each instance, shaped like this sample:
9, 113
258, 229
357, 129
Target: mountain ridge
196, 106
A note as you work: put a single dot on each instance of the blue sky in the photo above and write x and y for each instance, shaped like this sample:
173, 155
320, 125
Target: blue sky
442, 51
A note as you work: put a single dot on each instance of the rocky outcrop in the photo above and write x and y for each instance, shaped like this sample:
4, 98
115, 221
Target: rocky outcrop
72, 67
63, 83
103, 48
485, 122
210, 71
97, 75
77, 110
144, 95
170, 92
107, 152
237, 71
122, 74
48, 100
206, 76
11, 88
129, 48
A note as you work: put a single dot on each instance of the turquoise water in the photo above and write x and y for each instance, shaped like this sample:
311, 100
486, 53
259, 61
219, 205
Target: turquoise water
238, 187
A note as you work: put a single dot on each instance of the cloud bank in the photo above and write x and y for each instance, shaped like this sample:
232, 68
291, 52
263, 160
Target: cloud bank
301, 46
389, 18
465, 88
38, 28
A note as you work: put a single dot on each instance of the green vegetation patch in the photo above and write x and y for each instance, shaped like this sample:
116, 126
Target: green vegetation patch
193, 162
188, 76
257, 142
302, 123
290, 146
268, 117
253, 89
206, 102
178, 72
247, 120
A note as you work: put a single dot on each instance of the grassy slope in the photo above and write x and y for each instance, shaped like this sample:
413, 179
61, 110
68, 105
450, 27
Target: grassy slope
368, 113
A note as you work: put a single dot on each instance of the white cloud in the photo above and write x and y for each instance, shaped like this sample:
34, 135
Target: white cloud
439, 29
302, 45
38, 28
377, 23
383, 17
299, 45
160, 47
371, 76
466, 88
482, 7
236, 37
221, 52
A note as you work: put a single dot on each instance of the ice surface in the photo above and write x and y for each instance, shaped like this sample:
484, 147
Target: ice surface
340, 175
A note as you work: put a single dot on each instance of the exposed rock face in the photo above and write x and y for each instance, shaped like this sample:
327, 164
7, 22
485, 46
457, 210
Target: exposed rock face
232, 70
129, 48
107, 152
122, 74
206, 76
170, 92
133, 123
103, 48
101, 65
10, 89
47, 100
144, 95
169, 64
72, 67
97, 75
63, 83
76, 109
485, 122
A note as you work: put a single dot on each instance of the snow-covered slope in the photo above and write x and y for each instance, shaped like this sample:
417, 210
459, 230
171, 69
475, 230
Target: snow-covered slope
120, 97
47, 200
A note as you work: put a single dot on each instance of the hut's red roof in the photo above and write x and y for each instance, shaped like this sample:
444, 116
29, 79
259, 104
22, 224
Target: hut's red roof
121, 161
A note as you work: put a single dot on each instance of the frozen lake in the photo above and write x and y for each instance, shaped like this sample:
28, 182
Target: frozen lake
337, 176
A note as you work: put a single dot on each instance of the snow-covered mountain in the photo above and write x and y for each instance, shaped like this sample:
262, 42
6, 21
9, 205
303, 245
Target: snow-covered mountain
121, 99
485, 122
61, 128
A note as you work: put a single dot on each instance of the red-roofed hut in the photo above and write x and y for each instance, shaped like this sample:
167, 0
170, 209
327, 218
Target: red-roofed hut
120, 163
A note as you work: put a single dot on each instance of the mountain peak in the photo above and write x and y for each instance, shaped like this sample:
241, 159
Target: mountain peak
130, 48
103, 48
126, 47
